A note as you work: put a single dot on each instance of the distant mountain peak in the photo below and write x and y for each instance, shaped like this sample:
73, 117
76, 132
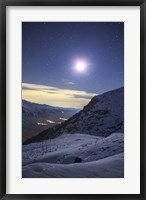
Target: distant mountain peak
39, 117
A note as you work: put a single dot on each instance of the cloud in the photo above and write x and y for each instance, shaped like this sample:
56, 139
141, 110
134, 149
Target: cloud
81, 96
69, 83
55, 96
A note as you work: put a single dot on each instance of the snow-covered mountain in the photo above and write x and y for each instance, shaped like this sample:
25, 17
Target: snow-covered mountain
38, 117
102, 116
90, 144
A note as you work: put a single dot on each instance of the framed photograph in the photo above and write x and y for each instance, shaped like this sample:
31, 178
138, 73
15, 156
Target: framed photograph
72, 99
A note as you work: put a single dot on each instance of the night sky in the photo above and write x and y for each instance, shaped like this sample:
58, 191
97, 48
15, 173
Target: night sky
51, 51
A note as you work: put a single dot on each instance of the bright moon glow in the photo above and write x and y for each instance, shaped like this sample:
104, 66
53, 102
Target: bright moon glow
80, 66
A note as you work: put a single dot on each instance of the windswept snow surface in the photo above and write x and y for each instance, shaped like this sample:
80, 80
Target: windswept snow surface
75, 155
111, 167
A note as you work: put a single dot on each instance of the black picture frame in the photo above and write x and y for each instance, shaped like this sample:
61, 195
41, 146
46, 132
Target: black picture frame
3, 125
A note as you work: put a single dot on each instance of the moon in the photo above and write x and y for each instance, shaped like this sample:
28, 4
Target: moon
80, 66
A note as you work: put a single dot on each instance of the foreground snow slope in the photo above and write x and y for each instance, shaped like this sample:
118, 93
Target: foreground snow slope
88, 155
65, 147
105, 168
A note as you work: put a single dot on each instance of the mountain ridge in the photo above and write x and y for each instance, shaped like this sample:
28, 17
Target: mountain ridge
102, 116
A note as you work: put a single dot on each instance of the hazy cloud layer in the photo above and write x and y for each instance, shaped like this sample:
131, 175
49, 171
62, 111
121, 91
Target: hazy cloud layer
55, 96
